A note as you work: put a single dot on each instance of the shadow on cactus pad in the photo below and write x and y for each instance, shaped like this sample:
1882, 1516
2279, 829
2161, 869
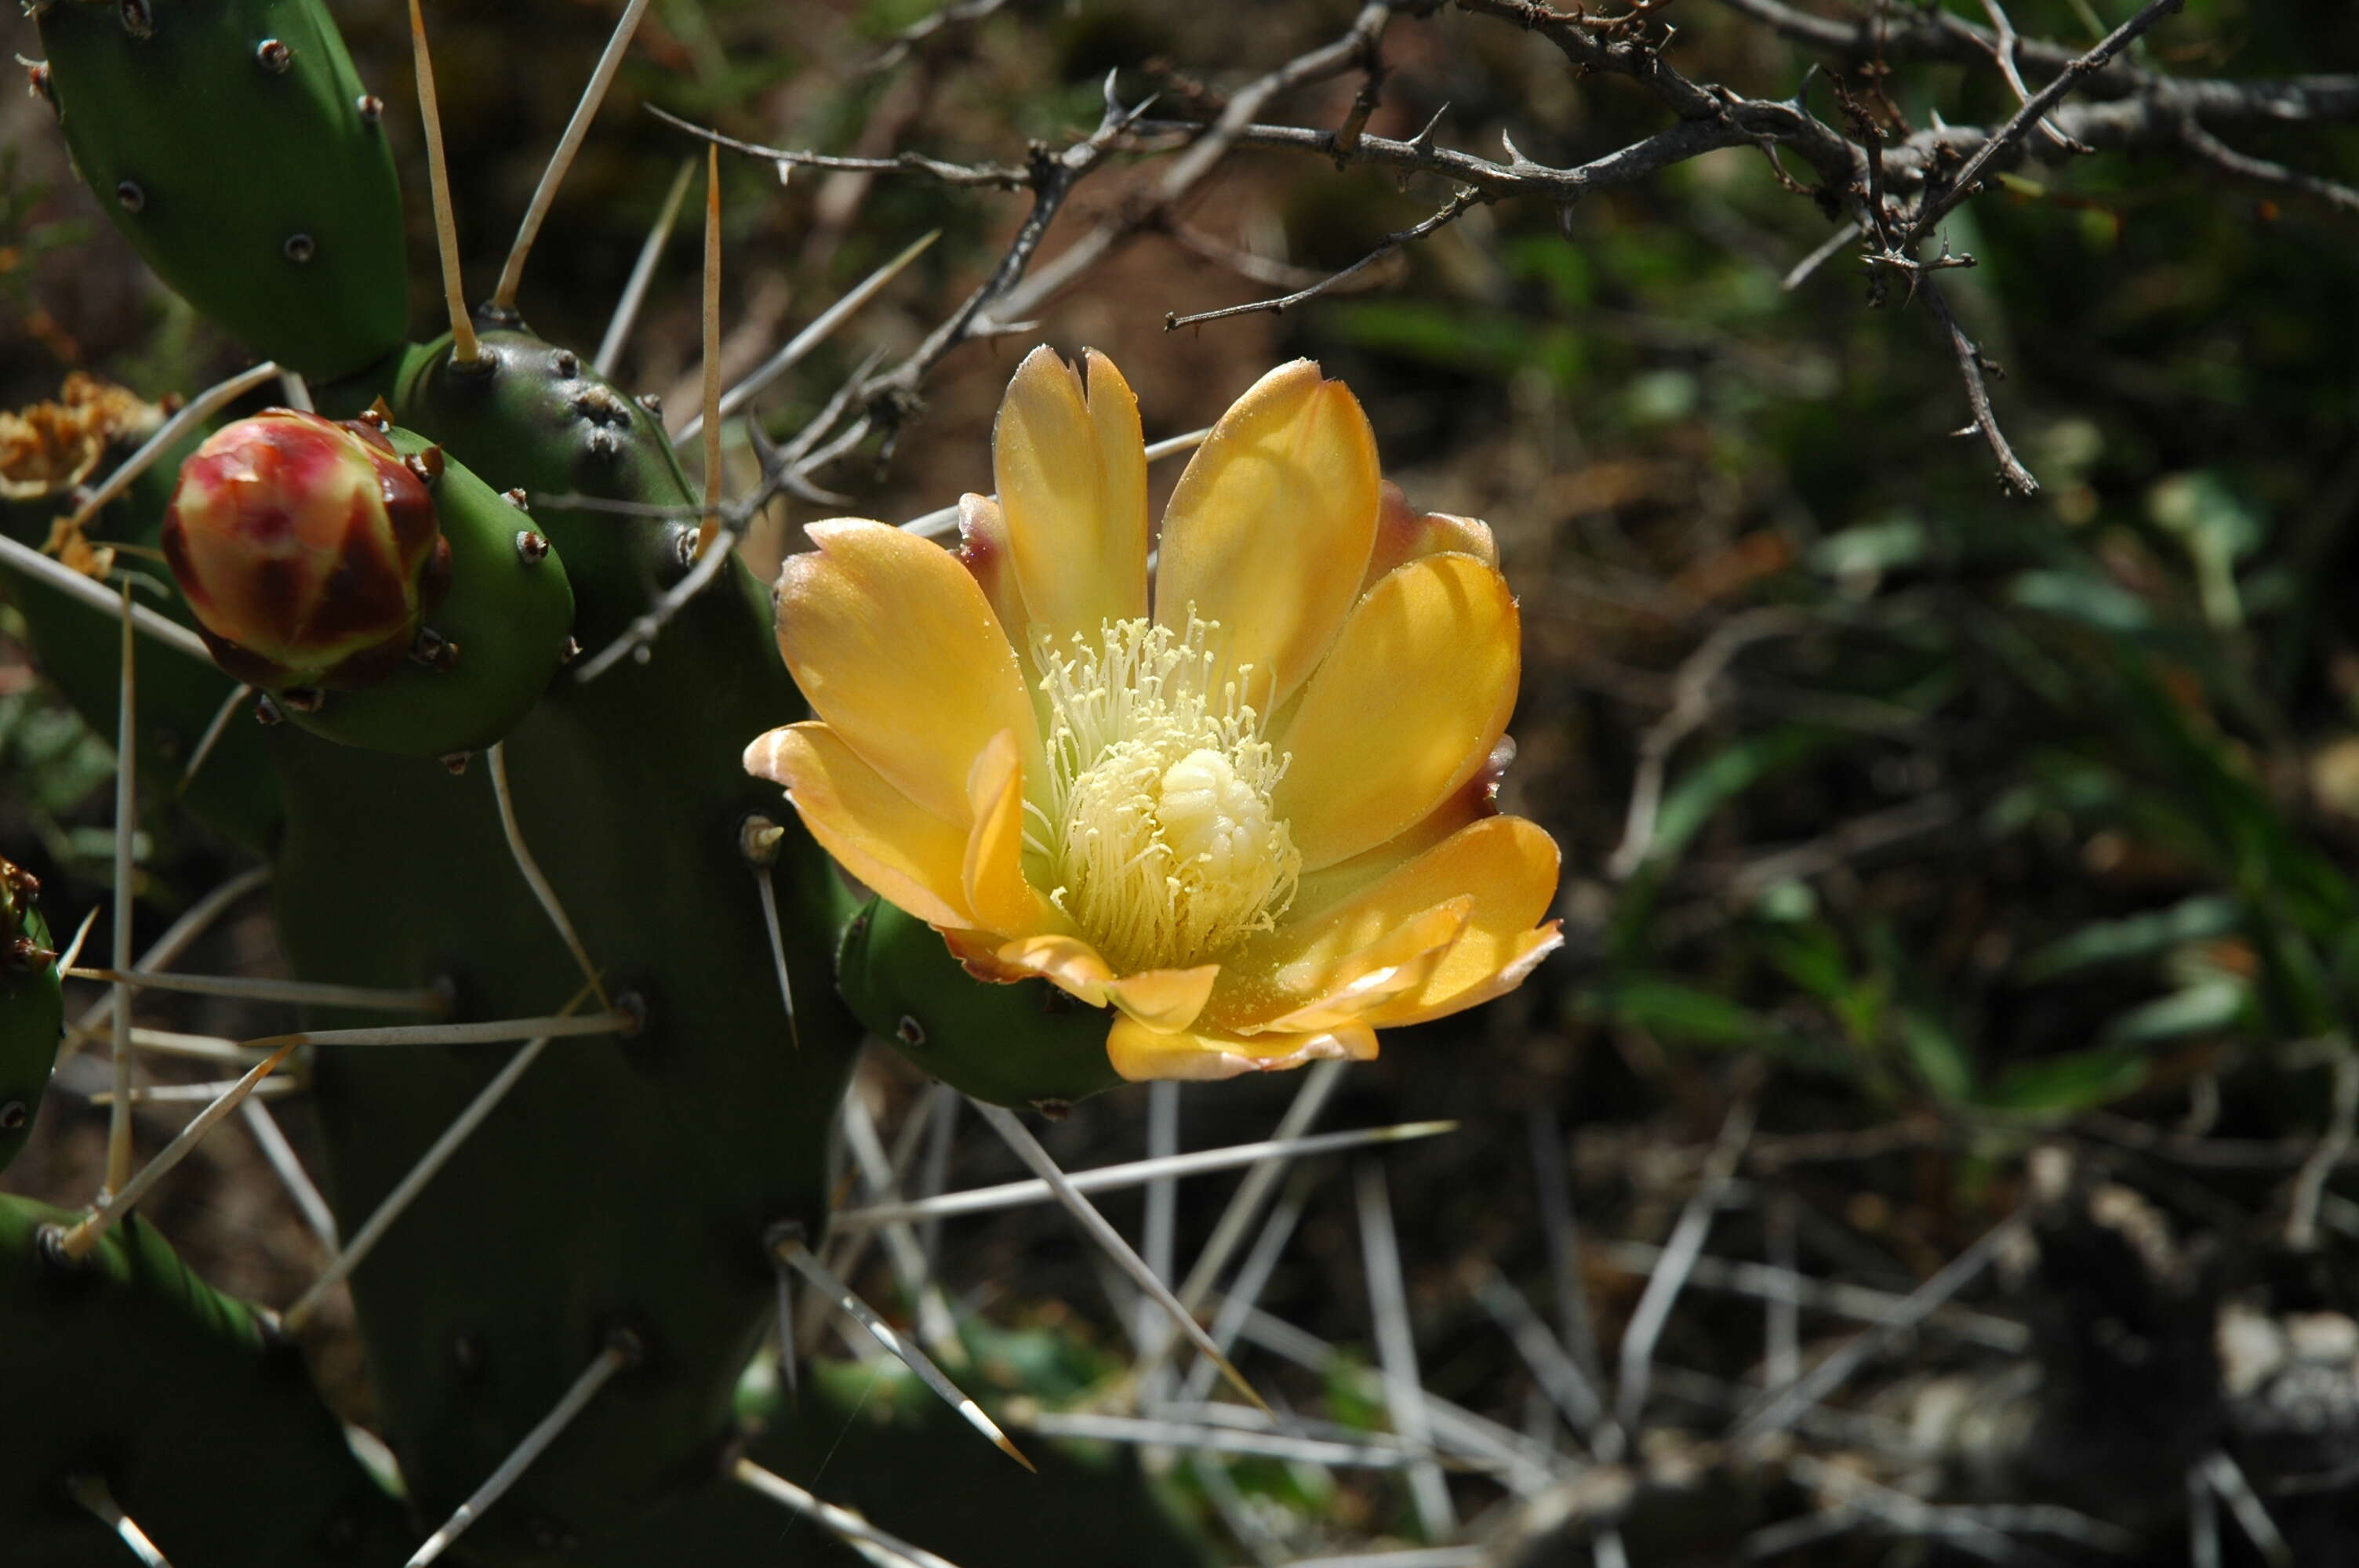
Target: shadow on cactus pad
870, 1436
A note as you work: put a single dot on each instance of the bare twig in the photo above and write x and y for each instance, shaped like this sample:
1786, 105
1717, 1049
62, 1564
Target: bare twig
2227, 1478
999, 176
1189, 169
1968, 177
1653, 1311
2004, 45
1698, 688
2310, 1182
1396, 1347
1784, 1286
2261, 171
1802, 269
1785, 1405
958, 14
1972, 367
1450, 213
1893, 34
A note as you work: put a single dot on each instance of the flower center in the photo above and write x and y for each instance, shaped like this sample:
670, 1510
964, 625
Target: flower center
1153, 827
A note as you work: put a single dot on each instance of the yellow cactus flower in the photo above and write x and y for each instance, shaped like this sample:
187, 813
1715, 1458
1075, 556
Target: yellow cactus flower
1244, 797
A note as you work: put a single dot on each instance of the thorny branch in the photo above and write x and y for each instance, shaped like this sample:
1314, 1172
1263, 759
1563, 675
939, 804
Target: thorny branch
2003, 50
1893, 194
1972, 367
1968, 179
1449, 214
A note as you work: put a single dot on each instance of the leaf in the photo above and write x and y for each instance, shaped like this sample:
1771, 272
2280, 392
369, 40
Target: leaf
1682, 1014
2201, 508
1483, 345
2078, 596
1936, 1054
2065, 1085
2139, 936
1871, 547
1704, 789
2209, 1004
1677, 1011
1813, 956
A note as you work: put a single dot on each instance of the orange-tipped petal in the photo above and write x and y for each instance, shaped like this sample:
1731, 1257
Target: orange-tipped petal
1069, 963
994, 868
1140, 1054
1351, 988
978, 953
984, 551
1413, 694
1166, 1000
1269, 530
1497, 969
1507, 864
896, 647
910, 857
1405, 535
1071, 468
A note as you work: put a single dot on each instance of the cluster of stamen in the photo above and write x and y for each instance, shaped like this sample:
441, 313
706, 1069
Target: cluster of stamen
1152, 828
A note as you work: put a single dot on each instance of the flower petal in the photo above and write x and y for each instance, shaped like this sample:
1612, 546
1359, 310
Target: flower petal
897, 648
984, 551
993, 874
1351, 988
1071, 469
1139, 1053
1270, 528
1406, 708
1067, 962
1443, 995
1166, 1000
908, 856
1471, 802
1507, 864
1405, 535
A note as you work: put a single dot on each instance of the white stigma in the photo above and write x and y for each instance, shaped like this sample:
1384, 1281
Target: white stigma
1153, 827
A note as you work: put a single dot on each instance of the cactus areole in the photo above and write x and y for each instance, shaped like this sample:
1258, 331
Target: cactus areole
309, 550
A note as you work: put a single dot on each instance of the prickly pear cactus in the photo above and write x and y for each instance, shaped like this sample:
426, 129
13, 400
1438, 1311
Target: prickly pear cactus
401, 610
567, 1198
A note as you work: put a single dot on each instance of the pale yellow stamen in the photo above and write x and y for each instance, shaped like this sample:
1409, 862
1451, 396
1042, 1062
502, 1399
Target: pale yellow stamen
1152, 828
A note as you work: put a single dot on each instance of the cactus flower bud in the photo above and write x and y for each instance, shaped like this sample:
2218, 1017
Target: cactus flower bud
309, 551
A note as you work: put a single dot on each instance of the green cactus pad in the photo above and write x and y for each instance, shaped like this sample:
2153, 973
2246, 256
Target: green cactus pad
232, 143
533, 415
1009, 1045
195, 1414
870, 1436
505, 622
32, 1009
622, 1181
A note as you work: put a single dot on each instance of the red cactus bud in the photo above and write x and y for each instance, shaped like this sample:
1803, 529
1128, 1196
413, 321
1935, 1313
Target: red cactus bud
308, 549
